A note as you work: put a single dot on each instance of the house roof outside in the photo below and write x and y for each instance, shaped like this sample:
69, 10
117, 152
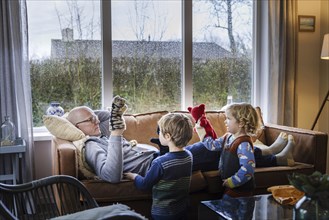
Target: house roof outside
67, 47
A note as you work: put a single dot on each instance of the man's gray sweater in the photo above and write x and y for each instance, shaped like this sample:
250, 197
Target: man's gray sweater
111, 157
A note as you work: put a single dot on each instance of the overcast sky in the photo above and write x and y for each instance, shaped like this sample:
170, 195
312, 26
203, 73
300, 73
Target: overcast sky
44, 22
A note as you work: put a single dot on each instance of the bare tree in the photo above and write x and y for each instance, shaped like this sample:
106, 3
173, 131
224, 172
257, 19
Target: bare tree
139, 20
223, 10
77, 20
147, 21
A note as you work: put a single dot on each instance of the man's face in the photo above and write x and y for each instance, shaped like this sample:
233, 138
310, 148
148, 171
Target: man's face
88, 123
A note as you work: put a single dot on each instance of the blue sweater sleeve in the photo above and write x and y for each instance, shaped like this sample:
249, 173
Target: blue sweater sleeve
152, 177
247, 165
214, 145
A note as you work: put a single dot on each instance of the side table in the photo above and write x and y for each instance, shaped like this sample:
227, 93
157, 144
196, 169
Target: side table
16, 153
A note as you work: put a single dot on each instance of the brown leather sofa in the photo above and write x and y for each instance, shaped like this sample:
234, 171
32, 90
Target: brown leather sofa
310, 154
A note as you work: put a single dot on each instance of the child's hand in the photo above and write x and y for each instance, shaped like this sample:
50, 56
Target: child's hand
130, 176
200, 131
225, 183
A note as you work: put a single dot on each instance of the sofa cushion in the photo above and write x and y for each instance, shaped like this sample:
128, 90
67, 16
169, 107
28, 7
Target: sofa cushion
142, 127
262, 175
104, 191
198, 181
271, 176
214, 181
126, 191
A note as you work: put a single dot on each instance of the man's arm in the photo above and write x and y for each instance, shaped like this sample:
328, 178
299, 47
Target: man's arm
106, 158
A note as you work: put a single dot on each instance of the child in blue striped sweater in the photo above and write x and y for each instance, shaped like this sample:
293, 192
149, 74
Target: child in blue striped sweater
170, 174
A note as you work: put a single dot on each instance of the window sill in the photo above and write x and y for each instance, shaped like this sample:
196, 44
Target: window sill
41, 134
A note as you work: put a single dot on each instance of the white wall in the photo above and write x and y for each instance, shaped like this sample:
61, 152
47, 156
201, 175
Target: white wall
43, 158
312, 72
324, 74
308, 64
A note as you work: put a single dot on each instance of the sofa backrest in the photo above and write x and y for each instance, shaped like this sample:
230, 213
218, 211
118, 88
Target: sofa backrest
143, 127
216, 119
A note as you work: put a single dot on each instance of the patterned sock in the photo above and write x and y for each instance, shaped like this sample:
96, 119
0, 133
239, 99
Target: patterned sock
285, 157
277, 146
117, 110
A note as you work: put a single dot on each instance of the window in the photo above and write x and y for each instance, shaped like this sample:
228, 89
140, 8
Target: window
146, 54
222, 52
147, 60
64, 48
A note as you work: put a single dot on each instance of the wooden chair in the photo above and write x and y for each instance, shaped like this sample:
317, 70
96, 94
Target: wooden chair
45, 198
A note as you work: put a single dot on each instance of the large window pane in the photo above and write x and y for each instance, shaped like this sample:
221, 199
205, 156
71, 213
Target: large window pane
65, 51
147, 54
222, 52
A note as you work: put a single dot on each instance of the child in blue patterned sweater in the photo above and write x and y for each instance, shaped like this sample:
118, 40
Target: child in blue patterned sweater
170, 174
237, 161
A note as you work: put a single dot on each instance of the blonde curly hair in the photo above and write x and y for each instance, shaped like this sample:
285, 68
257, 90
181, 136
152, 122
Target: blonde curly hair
245, 113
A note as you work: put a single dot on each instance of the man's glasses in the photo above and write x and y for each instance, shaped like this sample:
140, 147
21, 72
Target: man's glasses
93, 119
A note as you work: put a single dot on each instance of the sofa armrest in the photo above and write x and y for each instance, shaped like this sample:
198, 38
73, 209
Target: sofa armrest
310, 148
66, 157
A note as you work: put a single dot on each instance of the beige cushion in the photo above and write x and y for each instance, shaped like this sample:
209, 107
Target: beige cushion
85, 171
60, 127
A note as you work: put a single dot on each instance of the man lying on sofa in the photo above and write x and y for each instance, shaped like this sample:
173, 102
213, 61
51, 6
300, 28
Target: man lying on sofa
112, 156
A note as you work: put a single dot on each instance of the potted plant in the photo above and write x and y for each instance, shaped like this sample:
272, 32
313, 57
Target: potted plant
315, 203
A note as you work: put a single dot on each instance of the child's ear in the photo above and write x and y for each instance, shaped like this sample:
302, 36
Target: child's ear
241, 124
167, 136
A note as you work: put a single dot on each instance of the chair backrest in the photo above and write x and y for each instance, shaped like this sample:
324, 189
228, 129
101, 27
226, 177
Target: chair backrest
5, 213
46, 198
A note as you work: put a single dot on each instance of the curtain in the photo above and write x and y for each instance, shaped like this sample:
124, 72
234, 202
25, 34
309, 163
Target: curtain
15, 85
275, 60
